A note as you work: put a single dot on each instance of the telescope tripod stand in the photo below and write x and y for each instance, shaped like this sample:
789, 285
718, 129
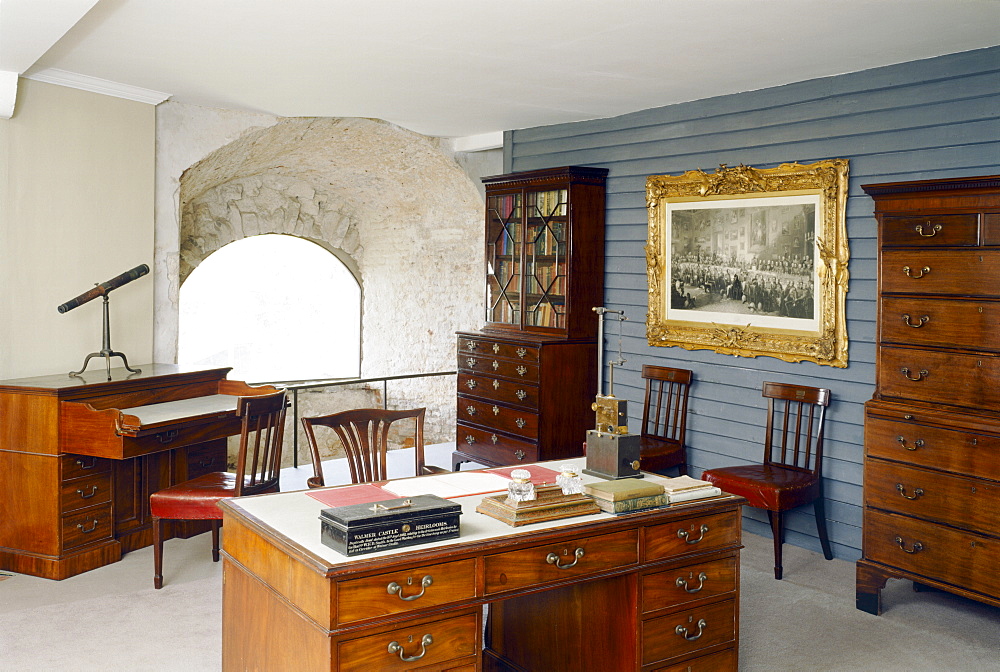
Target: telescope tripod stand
106, 352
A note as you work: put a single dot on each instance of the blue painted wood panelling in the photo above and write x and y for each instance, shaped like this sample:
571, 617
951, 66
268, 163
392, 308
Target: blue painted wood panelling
928, 119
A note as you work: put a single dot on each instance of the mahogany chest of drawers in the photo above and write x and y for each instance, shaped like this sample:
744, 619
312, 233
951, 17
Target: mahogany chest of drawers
932, 428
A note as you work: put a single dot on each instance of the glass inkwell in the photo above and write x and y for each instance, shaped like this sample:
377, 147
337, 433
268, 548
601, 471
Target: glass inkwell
520, 488
570, 481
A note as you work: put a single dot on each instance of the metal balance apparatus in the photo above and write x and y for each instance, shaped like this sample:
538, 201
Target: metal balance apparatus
612, 452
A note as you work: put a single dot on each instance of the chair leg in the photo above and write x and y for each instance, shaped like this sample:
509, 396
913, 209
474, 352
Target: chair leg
215, 540
778, 534
157, 553
682, 468
821, 528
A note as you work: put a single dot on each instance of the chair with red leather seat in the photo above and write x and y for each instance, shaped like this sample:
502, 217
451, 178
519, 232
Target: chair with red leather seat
258, 465
790, 475
664, 419
364, 434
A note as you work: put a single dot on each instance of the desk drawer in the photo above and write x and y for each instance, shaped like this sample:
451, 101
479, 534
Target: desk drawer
930, 230
78, 466
83, 492
956, 272
688, 631
940, 377
487, 348
691, 535
496, 448
87, 527
971, 324
506, 368
686, 584
517, 421
952, 450
427, 645
361, 599
722, 661
203, 460
561, 560
497, 389
954, 500
938, 552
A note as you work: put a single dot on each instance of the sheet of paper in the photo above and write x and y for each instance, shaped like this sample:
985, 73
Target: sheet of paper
351, 494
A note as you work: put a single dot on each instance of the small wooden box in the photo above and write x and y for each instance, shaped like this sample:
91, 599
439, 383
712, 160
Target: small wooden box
365, 528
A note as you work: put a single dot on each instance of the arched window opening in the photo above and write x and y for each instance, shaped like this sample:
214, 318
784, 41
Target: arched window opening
273, 307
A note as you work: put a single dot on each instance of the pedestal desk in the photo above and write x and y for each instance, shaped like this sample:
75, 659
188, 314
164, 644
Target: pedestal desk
656, 590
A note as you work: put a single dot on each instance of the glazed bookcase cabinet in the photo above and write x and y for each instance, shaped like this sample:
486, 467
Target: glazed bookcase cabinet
932, 428
527, 379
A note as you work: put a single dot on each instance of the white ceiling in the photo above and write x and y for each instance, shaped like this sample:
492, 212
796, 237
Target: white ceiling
458, 68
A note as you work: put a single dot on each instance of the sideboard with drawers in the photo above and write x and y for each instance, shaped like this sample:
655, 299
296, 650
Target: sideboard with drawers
932, 428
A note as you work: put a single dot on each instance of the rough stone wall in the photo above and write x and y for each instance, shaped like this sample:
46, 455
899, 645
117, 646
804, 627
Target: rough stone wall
392, 204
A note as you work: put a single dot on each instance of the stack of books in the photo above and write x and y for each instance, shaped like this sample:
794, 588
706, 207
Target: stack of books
685, 489
626, 495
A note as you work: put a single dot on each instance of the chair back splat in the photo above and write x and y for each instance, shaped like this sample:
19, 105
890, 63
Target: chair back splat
258, 464
795, 417
664, 418
364, 434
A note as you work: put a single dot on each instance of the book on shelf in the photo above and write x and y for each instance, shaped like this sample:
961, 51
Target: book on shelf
624, 488
631, 505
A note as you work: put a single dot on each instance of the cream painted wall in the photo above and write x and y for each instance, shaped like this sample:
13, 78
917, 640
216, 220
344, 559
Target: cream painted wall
76, 209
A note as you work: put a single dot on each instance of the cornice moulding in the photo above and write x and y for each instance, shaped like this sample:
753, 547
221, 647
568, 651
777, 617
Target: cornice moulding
98, 85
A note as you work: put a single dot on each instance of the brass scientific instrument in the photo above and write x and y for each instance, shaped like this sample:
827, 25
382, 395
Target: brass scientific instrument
612, 452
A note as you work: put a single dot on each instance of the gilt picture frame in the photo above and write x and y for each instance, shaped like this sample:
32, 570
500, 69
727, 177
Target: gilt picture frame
750, 262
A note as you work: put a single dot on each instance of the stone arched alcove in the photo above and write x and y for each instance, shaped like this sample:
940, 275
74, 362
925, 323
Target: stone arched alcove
395, 207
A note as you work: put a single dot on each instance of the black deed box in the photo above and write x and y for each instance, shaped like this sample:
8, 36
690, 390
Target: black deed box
379, 526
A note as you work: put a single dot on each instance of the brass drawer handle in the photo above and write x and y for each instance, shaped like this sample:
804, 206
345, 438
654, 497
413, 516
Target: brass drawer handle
920, 374
521, 394
519, 454
470, 439
494, 439
496, 348
167, 436
471, 384
521, 352
471, 410
496, 384
83, 465
683, 534
87, 530
496, 410
923, 271
682, 631
83, 495
471, 345
919, 443
471, 361
902, 490
919, 228
682, 583
496, 365
206, 463
924, 319
396, 589
520, 423
396, 647
917, 546
521, 370
553, 559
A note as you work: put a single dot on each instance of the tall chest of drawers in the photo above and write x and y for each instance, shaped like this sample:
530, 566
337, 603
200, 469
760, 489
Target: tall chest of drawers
526, 381
932, 428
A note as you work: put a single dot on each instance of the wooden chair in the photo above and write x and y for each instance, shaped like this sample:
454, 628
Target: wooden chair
364, 432
258, 465
664, 419
793, 457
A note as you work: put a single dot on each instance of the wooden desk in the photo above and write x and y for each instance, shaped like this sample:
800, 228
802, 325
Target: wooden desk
79, 457
652, 591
